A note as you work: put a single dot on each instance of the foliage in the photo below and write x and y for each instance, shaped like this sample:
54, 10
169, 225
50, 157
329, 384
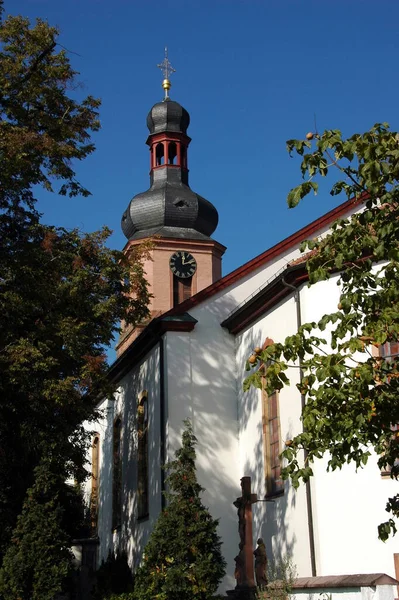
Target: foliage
281, 576
62, 293
38, 560
42, 128
61, 301
182, 559
351, 390
113, 578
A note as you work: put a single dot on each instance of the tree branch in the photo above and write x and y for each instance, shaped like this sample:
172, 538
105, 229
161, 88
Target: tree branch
37, 61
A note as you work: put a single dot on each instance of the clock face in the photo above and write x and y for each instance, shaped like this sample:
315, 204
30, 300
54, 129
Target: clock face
183, 264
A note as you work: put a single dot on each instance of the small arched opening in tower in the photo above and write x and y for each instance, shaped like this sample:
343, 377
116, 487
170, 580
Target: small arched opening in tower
182, 289
172, 153
160, 155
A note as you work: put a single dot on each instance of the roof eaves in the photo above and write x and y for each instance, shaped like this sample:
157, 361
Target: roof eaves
274, 290
267, 256
147, 339
344, 581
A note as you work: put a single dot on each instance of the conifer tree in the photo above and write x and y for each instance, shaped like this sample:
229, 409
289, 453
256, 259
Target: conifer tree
182, 559
38, 560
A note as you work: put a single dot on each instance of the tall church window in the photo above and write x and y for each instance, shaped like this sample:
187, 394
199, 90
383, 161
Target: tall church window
271, 439
95, 455
390, 351
182, 289
142, 456
117, 474
272, 444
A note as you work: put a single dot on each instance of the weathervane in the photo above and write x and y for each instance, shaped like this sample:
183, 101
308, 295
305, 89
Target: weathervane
167, 70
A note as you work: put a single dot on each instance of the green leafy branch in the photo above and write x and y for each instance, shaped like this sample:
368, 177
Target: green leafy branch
349, 388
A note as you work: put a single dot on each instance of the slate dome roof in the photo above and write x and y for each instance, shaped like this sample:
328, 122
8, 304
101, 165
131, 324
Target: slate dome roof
170, 209
168, 116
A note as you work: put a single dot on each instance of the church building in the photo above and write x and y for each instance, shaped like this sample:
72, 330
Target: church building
188, 361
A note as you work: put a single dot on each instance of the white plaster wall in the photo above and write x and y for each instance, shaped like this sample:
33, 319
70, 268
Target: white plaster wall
348, 505
104, 524
282, 523
201, 385
379, 592
133, 534
204, 382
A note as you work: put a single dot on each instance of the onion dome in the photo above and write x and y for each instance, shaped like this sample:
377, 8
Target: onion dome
168, 116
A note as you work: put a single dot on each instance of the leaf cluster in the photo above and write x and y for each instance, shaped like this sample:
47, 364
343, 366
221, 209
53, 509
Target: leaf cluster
43, 128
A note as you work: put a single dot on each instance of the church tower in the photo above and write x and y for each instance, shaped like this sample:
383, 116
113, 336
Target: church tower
184, 258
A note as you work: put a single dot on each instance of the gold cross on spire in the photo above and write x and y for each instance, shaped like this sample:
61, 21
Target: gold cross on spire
167, 70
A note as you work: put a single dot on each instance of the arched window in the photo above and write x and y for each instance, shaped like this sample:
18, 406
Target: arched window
160, 154
390, 352
182, 289
272, 444
172, 153
271, 440
117, 474
142, 455
95, 454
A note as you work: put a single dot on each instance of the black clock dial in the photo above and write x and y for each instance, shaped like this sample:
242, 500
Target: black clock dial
183, 264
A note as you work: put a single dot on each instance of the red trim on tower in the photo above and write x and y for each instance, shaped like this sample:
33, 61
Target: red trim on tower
166, 137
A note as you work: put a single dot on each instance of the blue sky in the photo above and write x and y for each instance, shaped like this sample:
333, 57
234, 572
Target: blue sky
251, 73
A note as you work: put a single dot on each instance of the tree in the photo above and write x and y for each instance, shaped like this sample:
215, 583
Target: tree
182, 559
62, 293
38, 561
349, 383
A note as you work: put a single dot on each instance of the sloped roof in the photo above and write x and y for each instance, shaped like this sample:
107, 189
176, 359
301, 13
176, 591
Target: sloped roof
249, 267
340, 581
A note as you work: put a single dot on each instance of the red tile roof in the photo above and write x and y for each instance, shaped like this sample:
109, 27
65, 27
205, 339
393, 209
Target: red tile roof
290, 242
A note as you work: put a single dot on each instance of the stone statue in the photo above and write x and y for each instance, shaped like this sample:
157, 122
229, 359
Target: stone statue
260, 564
240, 505
240, 565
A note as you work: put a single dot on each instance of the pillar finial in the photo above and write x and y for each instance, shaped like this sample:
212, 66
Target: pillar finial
167, 70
